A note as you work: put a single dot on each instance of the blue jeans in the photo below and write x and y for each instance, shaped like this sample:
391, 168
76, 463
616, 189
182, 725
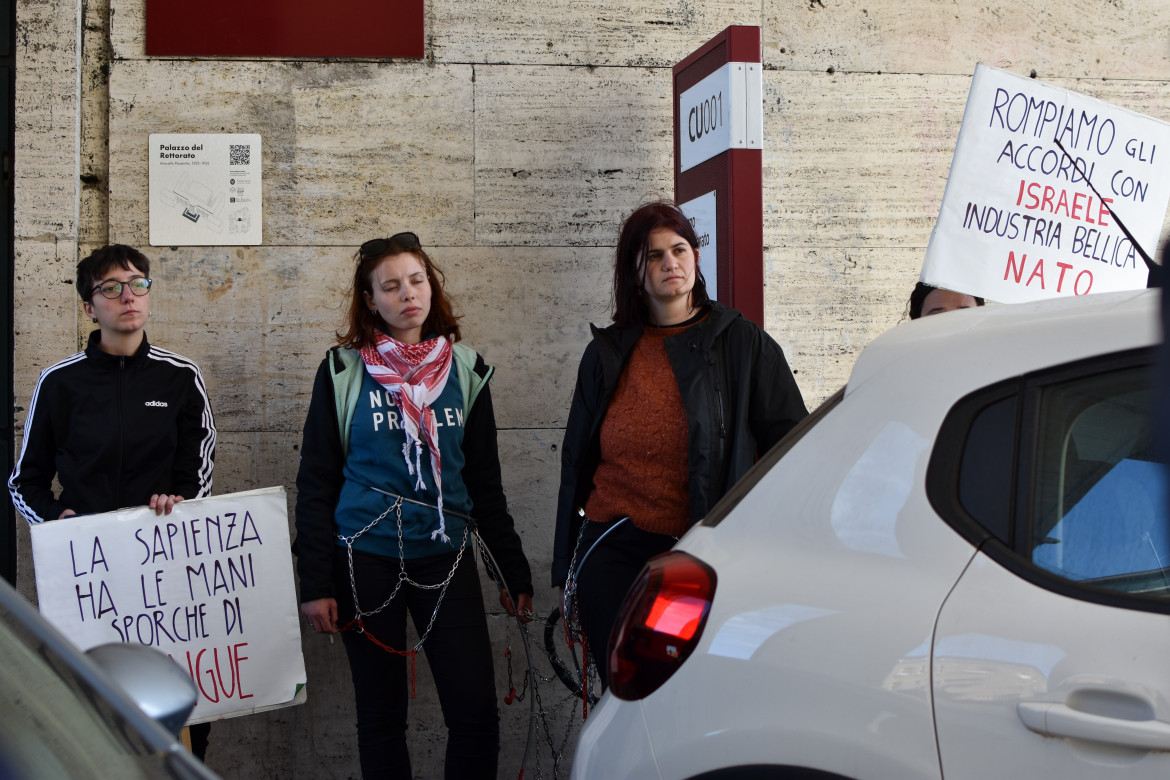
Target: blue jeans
457, 649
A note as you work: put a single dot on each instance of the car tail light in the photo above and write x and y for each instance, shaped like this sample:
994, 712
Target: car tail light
660, 622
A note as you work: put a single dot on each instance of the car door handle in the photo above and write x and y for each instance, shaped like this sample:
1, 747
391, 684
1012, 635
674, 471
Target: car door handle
1059, 720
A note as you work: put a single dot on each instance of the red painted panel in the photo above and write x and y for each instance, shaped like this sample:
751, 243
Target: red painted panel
741, 44
285, 28
736, 176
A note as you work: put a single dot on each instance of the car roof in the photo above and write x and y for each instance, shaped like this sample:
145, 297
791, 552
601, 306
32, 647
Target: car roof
959, 351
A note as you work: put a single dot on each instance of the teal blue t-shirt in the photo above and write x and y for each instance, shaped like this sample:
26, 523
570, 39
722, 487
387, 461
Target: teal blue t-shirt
375, 460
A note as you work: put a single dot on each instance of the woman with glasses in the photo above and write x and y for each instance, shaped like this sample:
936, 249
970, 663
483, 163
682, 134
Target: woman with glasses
123, 423
673, 404
398, 461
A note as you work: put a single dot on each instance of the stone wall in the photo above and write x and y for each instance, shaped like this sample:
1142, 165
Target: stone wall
513, 150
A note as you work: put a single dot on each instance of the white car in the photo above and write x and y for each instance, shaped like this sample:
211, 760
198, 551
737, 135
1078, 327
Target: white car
957, 567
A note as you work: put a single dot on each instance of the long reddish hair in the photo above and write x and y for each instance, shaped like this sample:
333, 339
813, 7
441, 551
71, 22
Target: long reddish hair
362, 324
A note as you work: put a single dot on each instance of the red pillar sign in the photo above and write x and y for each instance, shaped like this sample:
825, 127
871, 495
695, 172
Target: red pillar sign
718, 164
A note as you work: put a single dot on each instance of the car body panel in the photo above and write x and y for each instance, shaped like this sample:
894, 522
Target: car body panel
950, 356
828, 652
1002, 641
625, 751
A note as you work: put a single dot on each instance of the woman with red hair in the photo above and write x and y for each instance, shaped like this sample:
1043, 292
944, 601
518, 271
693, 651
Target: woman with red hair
398, 461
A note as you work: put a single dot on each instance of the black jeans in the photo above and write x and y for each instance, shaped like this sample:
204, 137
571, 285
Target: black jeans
457, 650
607, 574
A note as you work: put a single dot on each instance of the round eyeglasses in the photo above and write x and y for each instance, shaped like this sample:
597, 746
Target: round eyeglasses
139, 285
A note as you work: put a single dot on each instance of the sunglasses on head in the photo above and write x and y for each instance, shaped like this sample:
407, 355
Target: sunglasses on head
376, 247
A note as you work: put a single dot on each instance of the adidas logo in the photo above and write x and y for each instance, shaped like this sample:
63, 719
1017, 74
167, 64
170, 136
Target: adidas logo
162, 404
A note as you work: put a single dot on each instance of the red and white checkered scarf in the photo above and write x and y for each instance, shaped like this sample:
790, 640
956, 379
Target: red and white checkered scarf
415, 375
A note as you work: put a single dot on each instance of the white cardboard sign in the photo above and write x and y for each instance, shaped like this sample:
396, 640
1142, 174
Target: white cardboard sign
210, 584
1019, 221
206, 189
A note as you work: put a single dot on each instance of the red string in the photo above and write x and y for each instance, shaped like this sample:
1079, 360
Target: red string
357, 625
512, 692
584, 665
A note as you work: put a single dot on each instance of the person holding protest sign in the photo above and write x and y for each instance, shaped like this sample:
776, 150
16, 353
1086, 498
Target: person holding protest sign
124, 423
673, 404
399, 461
926, 300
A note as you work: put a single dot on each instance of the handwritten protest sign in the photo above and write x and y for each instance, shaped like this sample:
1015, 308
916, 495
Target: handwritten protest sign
1019, 220
210, 584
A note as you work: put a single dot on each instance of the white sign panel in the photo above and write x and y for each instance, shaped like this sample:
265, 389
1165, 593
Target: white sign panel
1019, 220
723, 111
210, 584
206, 190
701, 213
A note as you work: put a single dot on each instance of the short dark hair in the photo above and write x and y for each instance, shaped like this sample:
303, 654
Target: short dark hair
362, 324
93, 269
629, 272
918, 297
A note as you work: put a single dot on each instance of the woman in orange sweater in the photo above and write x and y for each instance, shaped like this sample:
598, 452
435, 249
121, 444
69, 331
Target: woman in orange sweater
673, 404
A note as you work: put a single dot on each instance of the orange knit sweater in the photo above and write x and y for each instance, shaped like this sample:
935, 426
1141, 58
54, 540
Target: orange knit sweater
643, 469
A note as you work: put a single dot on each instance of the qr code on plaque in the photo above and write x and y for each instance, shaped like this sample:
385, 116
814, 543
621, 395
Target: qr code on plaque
240, 154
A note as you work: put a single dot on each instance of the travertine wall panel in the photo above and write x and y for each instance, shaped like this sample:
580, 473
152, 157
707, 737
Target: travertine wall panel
93, 227
560, 159
43, 286
45, 325
824, 305
560, 32
543, 298
248, 460
571, 32
350, 149
1078, 38
257, 320
47, 100
530, 460
857, 159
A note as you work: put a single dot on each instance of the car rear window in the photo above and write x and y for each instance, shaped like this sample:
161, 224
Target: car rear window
1058, 468
988, 465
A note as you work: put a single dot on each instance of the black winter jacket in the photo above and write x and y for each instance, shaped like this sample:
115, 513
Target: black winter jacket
320, 478
115, 431
738, 393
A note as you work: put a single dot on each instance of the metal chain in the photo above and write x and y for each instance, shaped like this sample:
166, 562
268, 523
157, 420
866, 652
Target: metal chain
572, 625
396, 507
556, 752
532, 681
532, 678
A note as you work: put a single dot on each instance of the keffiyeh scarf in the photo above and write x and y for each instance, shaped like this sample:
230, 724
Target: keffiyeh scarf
415, 375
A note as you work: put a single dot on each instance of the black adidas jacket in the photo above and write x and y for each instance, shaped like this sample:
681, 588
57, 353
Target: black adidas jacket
114, 430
